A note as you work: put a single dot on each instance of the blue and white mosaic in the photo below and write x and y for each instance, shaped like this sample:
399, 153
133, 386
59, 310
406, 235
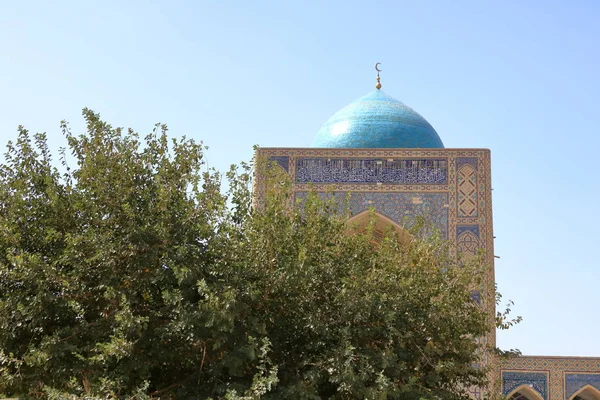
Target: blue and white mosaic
537, 381
574, 382
403, 208
282, 161
460, 161
474, 229
335, 170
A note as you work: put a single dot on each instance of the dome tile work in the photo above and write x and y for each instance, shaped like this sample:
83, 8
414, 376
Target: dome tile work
377, 120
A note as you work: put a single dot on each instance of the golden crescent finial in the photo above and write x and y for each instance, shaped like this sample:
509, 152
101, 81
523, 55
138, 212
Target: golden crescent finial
378, 86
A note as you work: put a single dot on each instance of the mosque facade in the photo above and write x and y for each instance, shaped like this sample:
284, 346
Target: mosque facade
382, 155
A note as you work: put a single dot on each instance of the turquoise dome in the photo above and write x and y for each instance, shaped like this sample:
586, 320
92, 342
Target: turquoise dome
377, 120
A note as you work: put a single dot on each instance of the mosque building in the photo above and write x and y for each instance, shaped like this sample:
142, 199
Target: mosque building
382, 155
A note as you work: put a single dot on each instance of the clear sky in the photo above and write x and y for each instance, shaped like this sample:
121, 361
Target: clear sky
520, 78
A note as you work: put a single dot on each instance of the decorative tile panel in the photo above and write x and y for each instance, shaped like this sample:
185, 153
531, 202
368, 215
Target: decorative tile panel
282, 161
559, 368
402, 208
467, 239
577, 381
467, 191
460, 161
403, 171
537, 381
461, 229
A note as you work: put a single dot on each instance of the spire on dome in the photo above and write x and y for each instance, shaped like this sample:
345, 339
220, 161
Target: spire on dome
378, 86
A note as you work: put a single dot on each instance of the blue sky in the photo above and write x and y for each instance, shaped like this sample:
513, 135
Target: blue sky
520, 78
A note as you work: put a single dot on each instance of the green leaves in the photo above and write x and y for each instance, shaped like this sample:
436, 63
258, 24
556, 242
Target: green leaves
87, 254
131, 275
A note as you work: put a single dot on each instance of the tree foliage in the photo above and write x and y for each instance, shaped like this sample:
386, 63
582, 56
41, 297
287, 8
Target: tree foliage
130, 275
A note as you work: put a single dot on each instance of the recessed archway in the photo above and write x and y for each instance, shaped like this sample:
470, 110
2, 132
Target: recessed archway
524, 392
588, 392
380, 224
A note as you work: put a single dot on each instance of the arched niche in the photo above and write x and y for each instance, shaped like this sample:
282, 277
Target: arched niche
524, 392
588, 392
360, 222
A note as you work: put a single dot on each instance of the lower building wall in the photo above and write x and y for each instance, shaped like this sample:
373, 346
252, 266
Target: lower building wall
551, 378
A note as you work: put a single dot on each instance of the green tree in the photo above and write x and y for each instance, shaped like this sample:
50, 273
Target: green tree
130, 275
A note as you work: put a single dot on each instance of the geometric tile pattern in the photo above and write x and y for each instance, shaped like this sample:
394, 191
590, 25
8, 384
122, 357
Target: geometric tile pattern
401, 207
467, 244
467, 240
565, 374
474, 229
460, 161
537, 381
467, 191
576, 381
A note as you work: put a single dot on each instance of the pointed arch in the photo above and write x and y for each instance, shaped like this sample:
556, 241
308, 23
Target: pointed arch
279, 168
524, 392
360, 222
588, 392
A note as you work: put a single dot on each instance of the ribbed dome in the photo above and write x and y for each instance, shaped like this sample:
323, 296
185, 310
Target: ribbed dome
377, 120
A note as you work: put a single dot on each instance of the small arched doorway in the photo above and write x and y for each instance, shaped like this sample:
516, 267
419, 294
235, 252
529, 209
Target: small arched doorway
379, 224
587, 392
524, 392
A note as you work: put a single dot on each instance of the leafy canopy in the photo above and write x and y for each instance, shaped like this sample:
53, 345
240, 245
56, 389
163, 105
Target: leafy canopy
126, 273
